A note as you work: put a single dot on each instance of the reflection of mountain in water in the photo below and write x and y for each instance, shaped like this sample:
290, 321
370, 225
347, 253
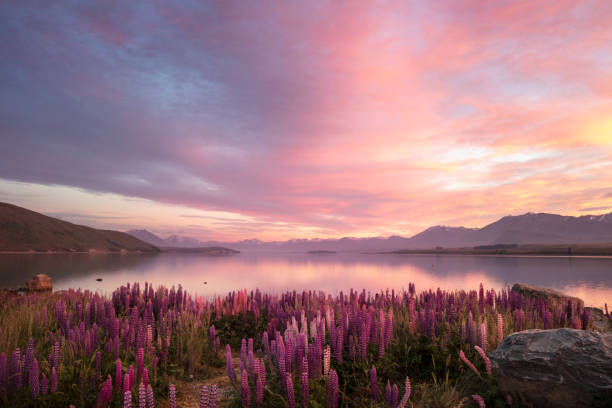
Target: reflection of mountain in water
15, 269
298, 271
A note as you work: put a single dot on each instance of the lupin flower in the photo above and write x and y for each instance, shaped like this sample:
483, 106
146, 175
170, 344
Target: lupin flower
485, 358
305, 382
34, 378
468, 362
53, 380
204, 395
394, 395
326, 360
245, 391
290, 393
127, 399
374, 384
212, 400
229, 365
406, 396
333, 389
142, 396
44, 385
140, 364
171, 396
118, 375
150, 397
479, 400
259, 391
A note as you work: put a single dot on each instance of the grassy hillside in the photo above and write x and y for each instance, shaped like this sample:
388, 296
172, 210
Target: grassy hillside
25, 230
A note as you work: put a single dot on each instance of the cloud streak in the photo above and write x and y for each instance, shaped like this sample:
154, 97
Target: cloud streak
334, 118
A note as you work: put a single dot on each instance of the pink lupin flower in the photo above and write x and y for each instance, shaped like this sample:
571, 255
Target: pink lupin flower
485, 358
127, 399
468, 362
326, 360
172, 396
406, 396
204, 395
290, 392
212, 400
142, 396
479, 400
118, 375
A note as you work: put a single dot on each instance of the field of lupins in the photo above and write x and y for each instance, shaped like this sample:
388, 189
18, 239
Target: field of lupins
143, 346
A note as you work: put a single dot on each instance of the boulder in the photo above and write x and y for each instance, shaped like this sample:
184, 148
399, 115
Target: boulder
555, 368
40, 283
551, 295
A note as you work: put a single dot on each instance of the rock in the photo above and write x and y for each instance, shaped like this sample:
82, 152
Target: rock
599, 319
40, 282
543, 293
555, 368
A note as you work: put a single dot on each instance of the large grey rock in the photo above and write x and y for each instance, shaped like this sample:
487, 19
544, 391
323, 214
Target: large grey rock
555, 368
553, 296
40, 282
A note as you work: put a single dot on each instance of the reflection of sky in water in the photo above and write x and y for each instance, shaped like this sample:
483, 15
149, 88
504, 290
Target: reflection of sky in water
588, 278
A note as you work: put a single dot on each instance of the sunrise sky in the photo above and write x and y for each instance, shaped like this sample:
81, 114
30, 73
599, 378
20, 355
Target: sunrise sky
299, 119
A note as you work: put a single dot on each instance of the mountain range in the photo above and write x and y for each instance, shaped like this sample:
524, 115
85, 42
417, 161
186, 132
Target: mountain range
530, 228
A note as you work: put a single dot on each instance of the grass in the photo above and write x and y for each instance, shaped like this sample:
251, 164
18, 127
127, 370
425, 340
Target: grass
405, 334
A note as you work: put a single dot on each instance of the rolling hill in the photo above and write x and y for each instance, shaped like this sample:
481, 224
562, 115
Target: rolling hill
22, 230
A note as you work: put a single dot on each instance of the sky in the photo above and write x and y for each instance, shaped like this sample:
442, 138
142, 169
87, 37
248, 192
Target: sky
227, 120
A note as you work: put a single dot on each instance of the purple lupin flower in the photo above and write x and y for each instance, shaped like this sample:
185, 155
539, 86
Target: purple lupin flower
131, 375
56, 356
127, 399
290, 393
140, 364
142, 396
245, 391
29, 357
204, 396
259, 390
145, 376
229, 365
118, 375
212, 400
34, 378
44, 385
150, 397
333, 389
394, 395
172, 396
98, 372
305, 382
388, 393
127, 386
16, 380
374, 384
53, 383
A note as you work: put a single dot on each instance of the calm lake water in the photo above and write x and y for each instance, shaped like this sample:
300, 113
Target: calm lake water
587, 277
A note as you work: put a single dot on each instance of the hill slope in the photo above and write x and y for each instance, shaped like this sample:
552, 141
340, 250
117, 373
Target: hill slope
25, 230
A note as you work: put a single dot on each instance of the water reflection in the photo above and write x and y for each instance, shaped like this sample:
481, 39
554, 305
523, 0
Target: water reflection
589, 278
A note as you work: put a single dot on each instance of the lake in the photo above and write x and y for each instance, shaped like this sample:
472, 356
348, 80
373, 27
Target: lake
589, 278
